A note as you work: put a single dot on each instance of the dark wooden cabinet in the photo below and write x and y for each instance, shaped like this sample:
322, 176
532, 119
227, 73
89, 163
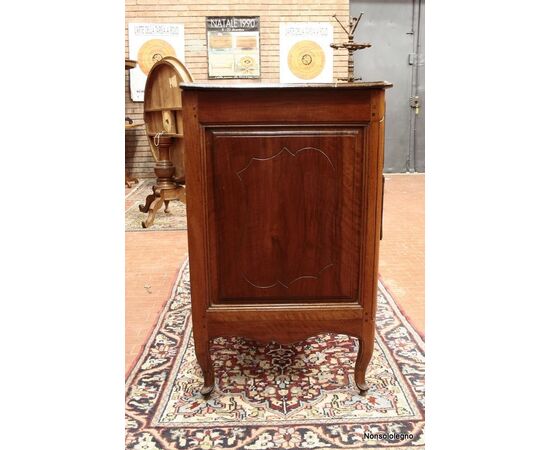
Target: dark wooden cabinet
284, 194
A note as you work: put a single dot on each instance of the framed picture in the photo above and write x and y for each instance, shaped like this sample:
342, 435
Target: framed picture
233, 44
306, 54
149, 43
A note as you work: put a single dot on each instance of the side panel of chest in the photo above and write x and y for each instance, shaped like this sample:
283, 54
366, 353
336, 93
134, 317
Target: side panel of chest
284, 197
285, 212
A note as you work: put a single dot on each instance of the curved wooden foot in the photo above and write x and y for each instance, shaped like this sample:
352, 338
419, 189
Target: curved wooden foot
152, 211
364, 355
166, 202
207, 390
202, 351
150, 198
208, 374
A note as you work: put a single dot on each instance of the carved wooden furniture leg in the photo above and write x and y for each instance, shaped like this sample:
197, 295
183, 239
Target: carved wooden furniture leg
154, 202
148, 201
205, 363
152, 211
364, 355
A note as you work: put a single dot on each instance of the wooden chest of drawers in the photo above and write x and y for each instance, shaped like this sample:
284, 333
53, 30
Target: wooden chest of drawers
284, 203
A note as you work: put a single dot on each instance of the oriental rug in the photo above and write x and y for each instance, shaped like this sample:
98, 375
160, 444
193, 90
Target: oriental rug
276, 396
174, 219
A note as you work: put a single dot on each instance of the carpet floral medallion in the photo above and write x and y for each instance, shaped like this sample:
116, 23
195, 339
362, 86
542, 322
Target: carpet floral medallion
174, 219
276, 396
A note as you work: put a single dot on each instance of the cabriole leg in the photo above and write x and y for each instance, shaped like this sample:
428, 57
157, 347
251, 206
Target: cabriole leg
157, 203
150, 198
205, 362
364, 355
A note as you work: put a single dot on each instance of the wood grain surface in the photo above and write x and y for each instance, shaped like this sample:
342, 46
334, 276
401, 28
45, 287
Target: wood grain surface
284, 192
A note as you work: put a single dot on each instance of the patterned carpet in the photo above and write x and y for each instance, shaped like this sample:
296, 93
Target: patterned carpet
175, 219
276, 396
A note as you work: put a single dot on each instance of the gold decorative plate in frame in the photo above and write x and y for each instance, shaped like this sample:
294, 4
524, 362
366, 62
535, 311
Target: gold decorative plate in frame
153, 51
247, 62
306, 59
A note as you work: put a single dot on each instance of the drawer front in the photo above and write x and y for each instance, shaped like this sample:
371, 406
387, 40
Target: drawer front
286, 208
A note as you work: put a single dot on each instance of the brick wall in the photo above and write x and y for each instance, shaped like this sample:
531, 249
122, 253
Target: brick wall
192, 14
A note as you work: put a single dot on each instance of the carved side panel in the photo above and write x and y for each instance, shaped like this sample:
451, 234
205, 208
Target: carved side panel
287, 209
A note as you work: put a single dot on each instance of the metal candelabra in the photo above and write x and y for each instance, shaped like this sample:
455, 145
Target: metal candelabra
350, 46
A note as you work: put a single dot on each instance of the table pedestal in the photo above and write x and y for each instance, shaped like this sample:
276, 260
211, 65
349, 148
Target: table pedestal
166, 188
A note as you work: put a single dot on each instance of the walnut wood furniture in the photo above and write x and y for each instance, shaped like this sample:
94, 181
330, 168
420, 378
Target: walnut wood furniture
284, 201
166, 187
163, 114
162, 108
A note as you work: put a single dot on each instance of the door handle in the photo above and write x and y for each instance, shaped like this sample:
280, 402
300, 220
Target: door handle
414, 102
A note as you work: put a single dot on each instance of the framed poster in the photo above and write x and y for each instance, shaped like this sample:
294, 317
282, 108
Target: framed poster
306, 55
233, 47
147, 44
